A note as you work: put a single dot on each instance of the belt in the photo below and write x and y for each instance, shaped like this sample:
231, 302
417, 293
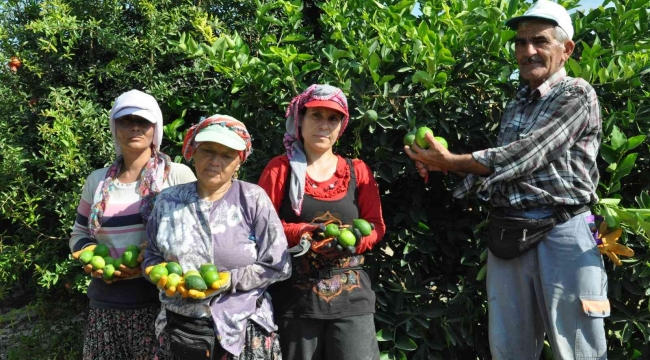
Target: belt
561, 213
330, 272
565, 212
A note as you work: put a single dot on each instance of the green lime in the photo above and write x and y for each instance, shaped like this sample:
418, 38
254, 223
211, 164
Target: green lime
101, 250
442, 140
85, 256
173, 279
174, 268
195, 282
117, 262
346, 238
109, 260
133, 248
409, 138
97, 262
370, 115
210, 276
108, 272
363, 226
420, 136
157, 272
130, 259
207, 267
191, 273
332, 230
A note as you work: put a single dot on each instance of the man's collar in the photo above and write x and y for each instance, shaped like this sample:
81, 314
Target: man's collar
542, 89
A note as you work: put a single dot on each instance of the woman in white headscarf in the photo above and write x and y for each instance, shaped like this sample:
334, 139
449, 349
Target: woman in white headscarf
115, 204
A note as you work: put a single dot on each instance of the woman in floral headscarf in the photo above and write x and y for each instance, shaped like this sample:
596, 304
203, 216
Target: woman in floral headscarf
115, 204
229, 223
325, 311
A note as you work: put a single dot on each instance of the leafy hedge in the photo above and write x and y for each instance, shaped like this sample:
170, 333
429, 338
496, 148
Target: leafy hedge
451, 68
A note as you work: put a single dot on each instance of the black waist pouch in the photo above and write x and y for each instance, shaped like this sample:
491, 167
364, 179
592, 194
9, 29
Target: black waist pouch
192, 338
510, 236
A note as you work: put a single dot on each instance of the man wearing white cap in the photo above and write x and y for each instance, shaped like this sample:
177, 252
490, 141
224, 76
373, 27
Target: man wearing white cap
545, 274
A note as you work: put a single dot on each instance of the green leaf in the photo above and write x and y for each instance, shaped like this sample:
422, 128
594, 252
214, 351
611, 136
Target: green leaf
617, 138
608, 153
481, 273
385, 335
422, 77
512, 8
611, 168
373, 46
611, 218
603, 75
310, 67
575, 67
635, 141
405, 343
273, 20
609, 201
625, 167
379, 5
384, 79
423, 226
384, 123
445, 57
441, 78
294, 37
339, 54
374, 61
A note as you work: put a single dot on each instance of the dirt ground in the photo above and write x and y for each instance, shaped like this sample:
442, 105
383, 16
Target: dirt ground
22, 322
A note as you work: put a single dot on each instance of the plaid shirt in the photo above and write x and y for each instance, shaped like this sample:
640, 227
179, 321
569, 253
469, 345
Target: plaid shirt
547, 148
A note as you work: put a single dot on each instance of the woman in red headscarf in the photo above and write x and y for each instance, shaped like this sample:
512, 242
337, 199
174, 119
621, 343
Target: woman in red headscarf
325, 310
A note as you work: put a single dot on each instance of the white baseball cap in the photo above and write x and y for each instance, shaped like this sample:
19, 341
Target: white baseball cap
136, 102
546, 10
131, 110
220, 134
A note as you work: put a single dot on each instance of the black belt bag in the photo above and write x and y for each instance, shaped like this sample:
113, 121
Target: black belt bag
192, 338
510, 236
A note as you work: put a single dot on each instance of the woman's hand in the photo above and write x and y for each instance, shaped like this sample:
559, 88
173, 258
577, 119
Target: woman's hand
124, 272
217, 287
88, 269
163, 279
76, 254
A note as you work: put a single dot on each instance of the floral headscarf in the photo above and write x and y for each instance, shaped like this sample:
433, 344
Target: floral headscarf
153, 175
190, 145
295, 150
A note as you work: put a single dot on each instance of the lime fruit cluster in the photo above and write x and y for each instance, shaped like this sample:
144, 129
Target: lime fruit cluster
345, 235
419, 137
205, 278
100, 259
